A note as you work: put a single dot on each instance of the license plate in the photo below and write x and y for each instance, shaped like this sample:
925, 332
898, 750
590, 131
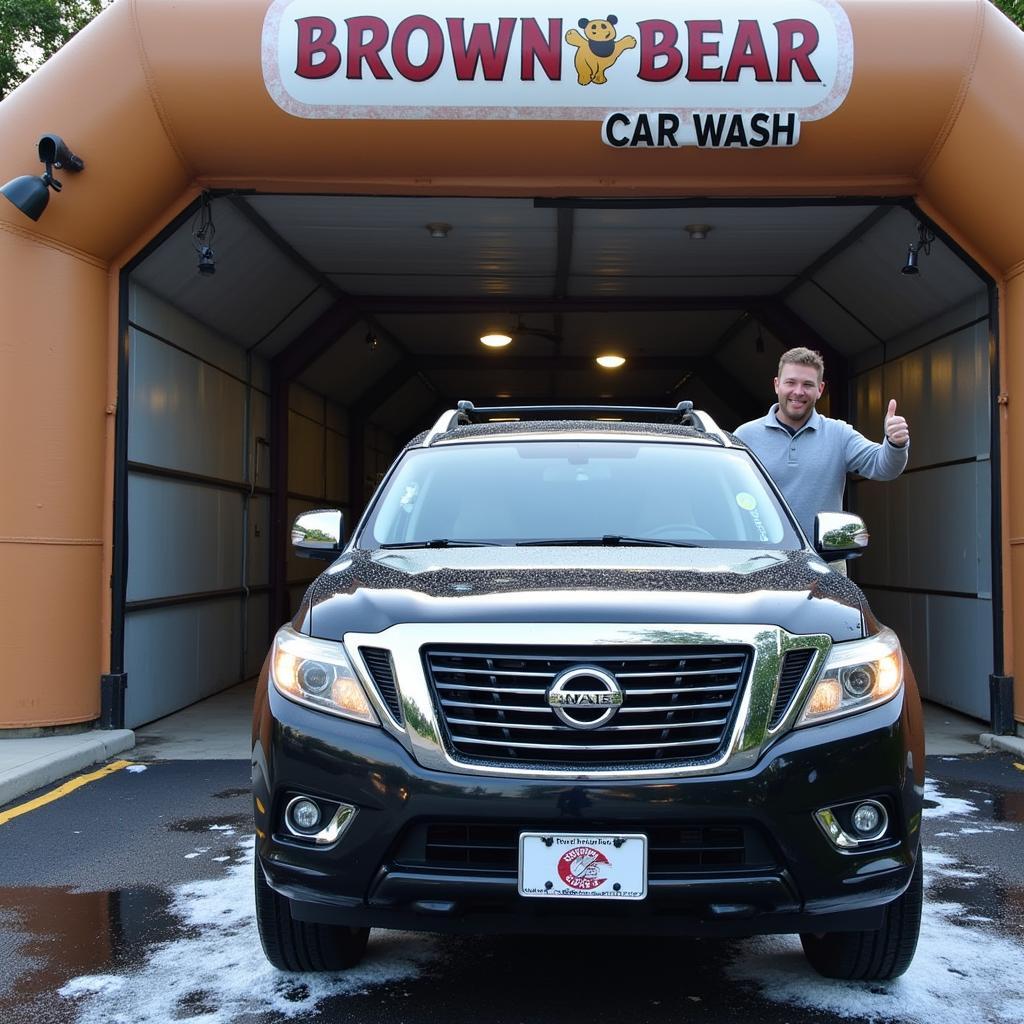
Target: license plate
583, 866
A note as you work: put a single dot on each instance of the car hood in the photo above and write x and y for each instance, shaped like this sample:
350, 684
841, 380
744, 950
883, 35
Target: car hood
367, 592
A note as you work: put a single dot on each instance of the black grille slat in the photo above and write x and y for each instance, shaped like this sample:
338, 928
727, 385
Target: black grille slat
672, 851
492, 703
378, 662
794, 668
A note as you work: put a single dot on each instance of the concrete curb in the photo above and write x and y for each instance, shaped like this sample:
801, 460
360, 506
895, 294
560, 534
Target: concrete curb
29, 764
1013, 744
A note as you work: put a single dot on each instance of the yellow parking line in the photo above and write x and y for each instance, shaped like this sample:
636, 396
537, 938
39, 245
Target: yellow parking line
68, 787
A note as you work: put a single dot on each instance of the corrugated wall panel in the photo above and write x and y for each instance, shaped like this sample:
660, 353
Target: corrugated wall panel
193, 413
185, 414
185, 538
176, 656
928, 572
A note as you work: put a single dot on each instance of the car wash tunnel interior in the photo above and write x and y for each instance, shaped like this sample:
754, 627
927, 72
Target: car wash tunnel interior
175, 408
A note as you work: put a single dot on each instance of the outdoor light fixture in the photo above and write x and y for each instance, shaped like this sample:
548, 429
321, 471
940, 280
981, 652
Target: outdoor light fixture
203, 231
611, 362
698, 231
30, 193
372, 341
496, 340
923, 244
438, 229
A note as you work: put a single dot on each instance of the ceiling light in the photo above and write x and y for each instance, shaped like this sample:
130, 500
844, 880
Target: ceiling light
496, 340
30, 193
610, 362
698, 231
503, 394
438, 229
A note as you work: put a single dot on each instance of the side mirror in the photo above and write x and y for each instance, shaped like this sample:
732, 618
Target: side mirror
319, 534
838, 535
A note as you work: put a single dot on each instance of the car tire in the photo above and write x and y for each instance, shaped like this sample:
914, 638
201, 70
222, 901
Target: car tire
873, 955
292, 945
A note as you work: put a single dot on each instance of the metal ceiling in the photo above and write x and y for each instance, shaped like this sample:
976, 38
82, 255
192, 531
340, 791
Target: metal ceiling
697, 318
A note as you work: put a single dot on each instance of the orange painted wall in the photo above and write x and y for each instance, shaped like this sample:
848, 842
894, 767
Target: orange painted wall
161, 98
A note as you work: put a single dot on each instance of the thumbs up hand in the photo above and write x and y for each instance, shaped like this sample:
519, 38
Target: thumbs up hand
896, 429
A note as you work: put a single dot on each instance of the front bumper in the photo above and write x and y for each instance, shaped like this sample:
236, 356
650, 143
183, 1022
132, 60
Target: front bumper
792, 879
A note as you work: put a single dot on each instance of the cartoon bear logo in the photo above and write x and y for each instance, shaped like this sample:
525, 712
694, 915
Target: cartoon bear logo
598, 49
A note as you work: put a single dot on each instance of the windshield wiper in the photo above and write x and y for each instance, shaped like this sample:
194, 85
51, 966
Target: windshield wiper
442, 542
609, 540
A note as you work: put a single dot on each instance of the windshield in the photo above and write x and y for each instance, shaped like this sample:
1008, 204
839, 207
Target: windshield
597, 491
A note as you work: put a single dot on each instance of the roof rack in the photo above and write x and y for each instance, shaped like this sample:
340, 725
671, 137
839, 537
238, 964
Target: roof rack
683, 413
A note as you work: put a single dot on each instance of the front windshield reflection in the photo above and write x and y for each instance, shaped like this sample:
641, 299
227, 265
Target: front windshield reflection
578, 491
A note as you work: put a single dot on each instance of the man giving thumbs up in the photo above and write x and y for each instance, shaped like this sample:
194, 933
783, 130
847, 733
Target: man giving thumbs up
896, 429
809, 455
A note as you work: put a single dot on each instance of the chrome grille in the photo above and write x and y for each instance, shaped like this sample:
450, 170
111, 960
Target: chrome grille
678, 703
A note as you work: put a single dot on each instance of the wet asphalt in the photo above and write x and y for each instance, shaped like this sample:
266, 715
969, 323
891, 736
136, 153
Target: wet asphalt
130, 901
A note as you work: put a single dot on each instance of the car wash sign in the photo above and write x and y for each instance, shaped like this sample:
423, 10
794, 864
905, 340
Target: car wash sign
709, 73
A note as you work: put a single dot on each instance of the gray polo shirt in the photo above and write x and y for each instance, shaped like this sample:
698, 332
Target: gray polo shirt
810, 466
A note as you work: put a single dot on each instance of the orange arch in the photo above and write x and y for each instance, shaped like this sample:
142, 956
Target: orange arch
162, 99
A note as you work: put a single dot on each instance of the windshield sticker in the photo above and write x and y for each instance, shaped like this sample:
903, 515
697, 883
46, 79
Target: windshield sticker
748, 503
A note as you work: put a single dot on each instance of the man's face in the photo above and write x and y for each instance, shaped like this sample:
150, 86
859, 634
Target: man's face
798, 388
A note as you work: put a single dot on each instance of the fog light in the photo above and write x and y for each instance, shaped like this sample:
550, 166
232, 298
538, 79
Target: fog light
868, 818
303, 814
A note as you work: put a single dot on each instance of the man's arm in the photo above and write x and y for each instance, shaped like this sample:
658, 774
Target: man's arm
883, 461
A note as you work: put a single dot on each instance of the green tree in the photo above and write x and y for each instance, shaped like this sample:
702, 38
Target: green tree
33, 30
1013, 9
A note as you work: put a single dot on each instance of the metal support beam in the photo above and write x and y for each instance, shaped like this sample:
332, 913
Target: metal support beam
309, 346
563, 252
844, 243
410, 304
383, 388
356, 468
540, 364
279, 525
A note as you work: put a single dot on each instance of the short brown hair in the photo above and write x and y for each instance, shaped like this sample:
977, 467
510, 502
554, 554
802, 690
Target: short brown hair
803, 357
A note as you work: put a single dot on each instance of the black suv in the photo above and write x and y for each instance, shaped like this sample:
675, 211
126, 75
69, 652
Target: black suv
578, 670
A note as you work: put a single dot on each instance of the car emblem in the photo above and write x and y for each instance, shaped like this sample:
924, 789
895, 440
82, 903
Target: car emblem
584, 688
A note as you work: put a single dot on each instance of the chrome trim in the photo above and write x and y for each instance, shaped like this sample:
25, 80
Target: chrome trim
322, 522
709, 426
839, 533
561, 700
580, 435
331, 832
806, 684
423, 737
445, 422
842, 839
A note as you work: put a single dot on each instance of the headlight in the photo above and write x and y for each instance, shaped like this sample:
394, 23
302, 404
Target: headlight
857, 675
317, 673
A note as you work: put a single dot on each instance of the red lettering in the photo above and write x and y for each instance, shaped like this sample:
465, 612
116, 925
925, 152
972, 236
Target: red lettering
791, 52
400, 48
700, 48
362, 49
658, 42
316, 36
748, 52
535, 47
481, 49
